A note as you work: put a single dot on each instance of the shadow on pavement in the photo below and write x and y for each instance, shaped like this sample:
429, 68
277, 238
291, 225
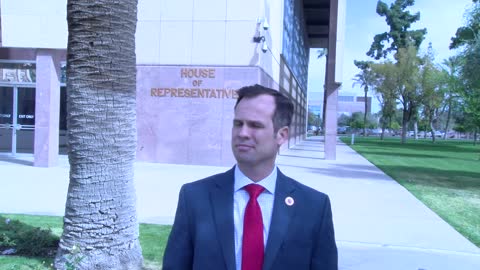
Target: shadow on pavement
14, 160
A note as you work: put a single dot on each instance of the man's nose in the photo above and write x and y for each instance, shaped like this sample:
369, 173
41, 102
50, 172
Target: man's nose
244, 131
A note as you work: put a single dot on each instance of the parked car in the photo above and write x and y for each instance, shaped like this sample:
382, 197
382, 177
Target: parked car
376, 131
439, 133
342, 129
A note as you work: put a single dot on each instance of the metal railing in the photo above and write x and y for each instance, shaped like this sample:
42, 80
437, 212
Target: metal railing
17, 126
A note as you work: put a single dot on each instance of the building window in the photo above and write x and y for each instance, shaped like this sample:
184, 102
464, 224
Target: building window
346, 98
19, 72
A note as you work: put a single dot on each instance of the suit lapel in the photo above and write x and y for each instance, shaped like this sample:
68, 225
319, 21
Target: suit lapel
282, 213
222, 203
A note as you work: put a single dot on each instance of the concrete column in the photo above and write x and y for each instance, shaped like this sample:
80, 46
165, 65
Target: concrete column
47, 108
331, 87
331, 121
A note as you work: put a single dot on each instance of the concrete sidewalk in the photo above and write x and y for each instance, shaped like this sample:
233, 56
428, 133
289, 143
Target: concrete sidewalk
379, 225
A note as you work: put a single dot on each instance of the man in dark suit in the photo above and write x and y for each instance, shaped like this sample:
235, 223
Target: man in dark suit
253, 217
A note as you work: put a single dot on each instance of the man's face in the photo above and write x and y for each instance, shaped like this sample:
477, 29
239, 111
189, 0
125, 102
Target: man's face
254, 142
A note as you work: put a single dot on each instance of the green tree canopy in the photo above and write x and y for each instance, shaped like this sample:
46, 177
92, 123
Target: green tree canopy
451, 73
433, 86
386, 87
467, 34
399, 36
471, 76
468, 37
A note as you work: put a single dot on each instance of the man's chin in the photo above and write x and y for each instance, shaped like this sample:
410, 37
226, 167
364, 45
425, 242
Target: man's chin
243, 158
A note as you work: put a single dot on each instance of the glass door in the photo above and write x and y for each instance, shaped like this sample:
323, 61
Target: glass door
17, 119
6, 119
25, 131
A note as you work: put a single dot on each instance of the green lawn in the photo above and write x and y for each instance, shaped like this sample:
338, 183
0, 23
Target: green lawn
153, 239
444, 175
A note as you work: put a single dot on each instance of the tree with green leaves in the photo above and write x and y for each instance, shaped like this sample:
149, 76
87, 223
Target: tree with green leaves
100, 228
468, 34
343, 120
356, 121
365, 79
386, 84
432, 85
451, 75
408, 89
314, 119
471, 91
464, 122
399, 36
468, 38
404, 43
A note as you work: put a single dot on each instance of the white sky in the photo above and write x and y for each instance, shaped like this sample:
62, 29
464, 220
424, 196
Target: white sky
440, 17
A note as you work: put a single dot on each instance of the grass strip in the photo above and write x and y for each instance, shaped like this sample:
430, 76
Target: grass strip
444, 175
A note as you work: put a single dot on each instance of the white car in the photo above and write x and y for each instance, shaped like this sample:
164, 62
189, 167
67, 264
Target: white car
439, 133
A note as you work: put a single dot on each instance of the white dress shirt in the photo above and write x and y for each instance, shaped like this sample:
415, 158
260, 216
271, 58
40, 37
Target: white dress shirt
240, 200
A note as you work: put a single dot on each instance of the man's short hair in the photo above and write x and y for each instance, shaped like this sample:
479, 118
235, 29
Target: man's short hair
282, 116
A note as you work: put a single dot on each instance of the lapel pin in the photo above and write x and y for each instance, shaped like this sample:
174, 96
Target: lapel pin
289, 201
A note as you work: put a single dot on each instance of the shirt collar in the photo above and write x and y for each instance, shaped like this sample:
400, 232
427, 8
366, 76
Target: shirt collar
241, 180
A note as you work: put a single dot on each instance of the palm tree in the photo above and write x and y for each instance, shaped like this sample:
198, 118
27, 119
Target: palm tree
364, 79
321, 53
100, 229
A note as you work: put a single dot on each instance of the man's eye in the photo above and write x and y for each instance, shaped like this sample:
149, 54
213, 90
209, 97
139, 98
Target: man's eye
237, 124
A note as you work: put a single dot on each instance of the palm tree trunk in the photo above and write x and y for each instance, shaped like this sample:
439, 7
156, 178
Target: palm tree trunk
448, 118
415, 129
475, 134
404, 125
432, 129
365, 114
100, 225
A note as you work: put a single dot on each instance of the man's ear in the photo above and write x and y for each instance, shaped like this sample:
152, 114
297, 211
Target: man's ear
282, 135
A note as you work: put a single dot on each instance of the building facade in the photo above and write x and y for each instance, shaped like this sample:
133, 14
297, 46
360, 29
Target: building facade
348, 103
191, 57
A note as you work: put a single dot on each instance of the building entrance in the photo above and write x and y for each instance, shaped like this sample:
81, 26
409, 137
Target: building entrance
17, 118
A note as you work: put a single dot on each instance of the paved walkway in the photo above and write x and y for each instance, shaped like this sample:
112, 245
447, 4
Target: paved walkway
379, 225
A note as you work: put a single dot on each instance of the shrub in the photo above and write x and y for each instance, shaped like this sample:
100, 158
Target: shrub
25, 239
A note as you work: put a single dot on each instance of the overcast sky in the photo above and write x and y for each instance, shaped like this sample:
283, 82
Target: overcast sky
440, 17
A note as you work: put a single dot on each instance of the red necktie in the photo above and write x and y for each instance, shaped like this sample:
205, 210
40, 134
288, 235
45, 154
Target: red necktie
252, 246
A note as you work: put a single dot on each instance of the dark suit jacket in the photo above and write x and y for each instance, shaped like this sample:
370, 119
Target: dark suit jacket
301, 236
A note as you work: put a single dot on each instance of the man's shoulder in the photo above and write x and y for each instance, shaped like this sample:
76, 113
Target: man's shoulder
211, 180
309, 199
305, 190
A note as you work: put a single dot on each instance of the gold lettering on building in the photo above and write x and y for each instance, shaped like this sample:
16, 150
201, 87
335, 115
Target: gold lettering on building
197, 75
193, 93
